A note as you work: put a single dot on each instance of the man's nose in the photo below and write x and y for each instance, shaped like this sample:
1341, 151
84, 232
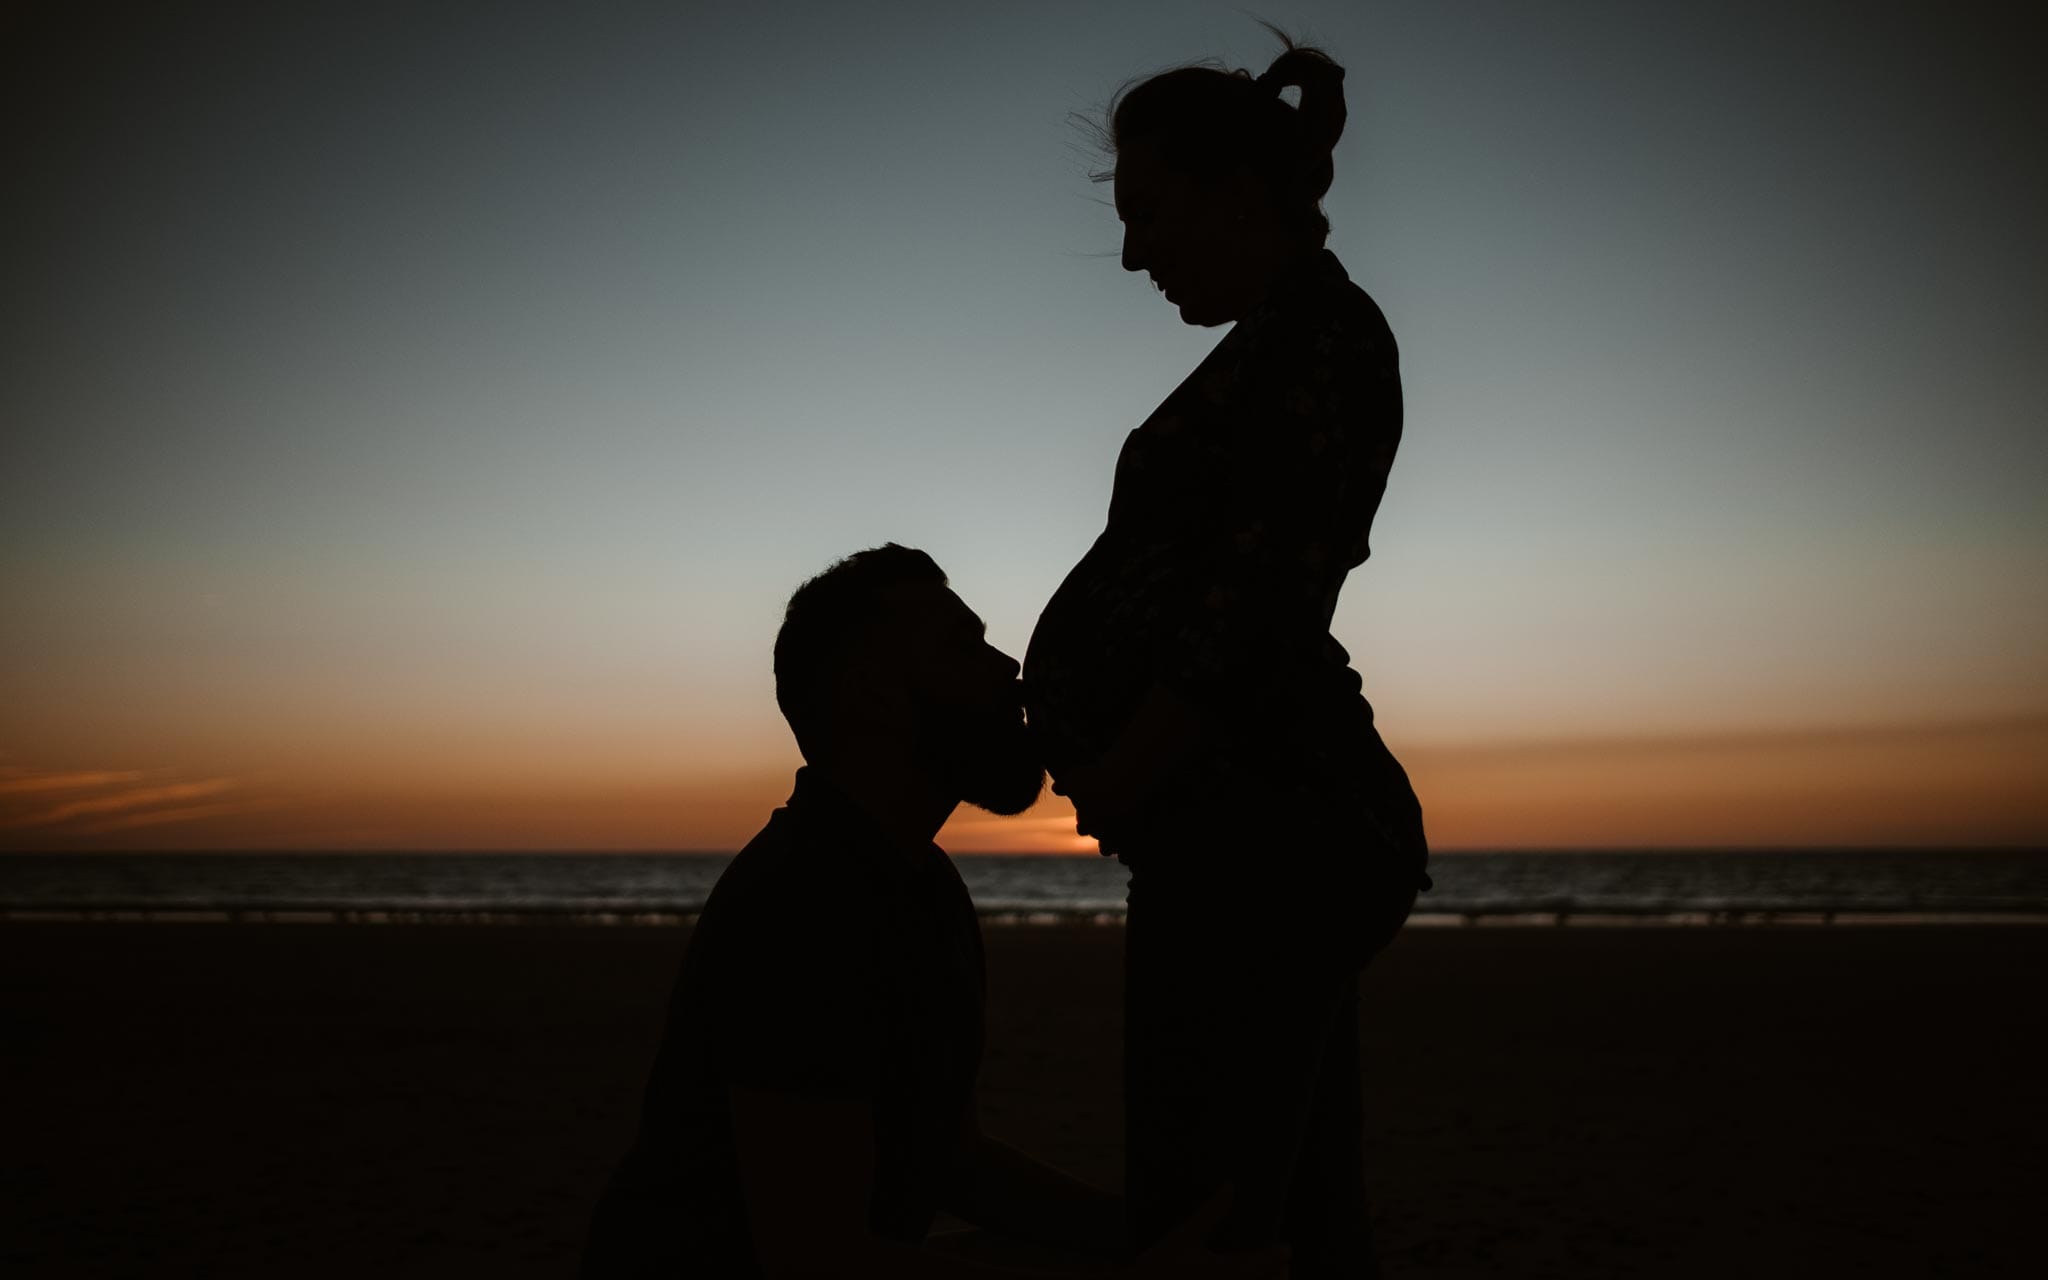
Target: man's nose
1134, 256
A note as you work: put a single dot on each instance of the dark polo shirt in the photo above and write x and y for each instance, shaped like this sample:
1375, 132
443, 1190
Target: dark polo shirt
829, 962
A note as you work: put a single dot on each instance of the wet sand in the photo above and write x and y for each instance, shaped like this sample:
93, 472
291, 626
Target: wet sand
442, 1100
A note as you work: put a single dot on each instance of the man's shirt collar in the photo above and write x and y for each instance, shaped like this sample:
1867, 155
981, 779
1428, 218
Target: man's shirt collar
817, 800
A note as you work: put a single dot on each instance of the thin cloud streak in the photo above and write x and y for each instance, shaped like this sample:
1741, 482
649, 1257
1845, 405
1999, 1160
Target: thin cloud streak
114, 799
139, 798
187, 813
16, 781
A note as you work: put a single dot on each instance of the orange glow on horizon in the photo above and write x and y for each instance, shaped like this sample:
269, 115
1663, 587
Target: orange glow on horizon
1964, 784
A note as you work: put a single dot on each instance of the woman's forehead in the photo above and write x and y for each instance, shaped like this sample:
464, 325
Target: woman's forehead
1139, 166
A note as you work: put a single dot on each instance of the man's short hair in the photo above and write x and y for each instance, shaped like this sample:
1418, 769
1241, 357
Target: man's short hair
825, 622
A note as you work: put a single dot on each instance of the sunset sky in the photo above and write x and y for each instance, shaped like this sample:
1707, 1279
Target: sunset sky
415, 416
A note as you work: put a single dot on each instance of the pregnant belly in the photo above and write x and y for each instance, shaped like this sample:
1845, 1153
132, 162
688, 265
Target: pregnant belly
1091, 657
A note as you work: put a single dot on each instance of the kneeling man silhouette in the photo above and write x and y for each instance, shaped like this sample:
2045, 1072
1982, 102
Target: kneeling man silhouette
812, 1107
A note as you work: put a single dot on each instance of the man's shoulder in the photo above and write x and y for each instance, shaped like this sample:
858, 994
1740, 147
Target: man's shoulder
796, 883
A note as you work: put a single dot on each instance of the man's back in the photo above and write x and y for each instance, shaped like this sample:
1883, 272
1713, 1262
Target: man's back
830, 962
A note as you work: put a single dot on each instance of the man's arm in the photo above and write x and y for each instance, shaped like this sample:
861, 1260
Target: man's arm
999, 1187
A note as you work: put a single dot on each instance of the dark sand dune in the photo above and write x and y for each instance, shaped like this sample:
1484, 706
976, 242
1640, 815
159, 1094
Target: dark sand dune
306, 1100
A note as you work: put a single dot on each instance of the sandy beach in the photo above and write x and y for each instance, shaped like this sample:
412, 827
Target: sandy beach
440, 1100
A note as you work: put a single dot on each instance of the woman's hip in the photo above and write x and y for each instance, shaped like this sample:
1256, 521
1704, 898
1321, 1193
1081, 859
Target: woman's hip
1337, 880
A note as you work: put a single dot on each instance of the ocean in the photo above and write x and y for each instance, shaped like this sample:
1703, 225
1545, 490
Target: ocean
1796, 886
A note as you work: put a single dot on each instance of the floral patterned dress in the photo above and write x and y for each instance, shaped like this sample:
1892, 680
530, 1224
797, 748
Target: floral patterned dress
1239, 508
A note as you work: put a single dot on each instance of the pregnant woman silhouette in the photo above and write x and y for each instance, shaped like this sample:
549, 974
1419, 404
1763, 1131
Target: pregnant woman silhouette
1190, 698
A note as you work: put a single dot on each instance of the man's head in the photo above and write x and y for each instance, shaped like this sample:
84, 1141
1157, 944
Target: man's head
877, 650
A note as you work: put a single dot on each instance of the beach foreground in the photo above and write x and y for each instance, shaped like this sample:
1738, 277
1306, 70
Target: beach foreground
443, 1100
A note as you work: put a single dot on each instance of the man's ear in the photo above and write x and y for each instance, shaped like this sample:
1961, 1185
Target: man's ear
875, 694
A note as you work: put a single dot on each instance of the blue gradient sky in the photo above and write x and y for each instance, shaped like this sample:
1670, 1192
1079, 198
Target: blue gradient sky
413, 413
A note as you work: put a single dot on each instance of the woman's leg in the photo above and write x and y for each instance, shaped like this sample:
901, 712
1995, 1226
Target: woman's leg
1329, 1219
1172, 1057
1231, 1007
1329, 1224
1241, 1033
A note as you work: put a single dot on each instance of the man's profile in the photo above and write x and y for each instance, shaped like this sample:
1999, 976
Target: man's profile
812, 1106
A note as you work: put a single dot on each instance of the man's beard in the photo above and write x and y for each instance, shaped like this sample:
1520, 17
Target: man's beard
991, 762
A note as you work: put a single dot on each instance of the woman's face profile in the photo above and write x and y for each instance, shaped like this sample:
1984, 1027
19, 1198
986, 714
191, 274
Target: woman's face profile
1196, 240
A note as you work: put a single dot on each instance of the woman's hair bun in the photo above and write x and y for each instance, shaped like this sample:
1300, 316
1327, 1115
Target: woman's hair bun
1321, 82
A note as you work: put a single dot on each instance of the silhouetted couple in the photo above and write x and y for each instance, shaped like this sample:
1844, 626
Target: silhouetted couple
812, 1107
